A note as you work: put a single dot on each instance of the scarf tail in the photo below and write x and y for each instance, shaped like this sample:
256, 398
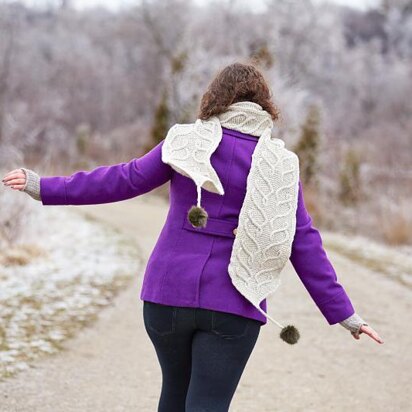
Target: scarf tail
199, 195
267, 316
197, 215
289, 333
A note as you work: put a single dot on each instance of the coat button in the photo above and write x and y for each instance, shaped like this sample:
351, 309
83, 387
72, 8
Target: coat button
234, 231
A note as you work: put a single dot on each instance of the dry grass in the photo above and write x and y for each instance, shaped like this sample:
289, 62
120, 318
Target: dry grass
45, 299
397, 230
314, 205
396, 224
20, 255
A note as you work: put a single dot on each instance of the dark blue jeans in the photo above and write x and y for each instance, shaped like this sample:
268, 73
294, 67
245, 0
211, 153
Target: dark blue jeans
202, 355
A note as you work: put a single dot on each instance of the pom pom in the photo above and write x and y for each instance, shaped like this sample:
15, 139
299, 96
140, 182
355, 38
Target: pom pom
290, 334
197, 216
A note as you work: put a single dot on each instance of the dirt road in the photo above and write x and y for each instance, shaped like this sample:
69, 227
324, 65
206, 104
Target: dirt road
112, 365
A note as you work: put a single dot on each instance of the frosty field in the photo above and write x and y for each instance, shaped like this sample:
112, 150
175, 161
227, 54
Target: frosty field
77, 267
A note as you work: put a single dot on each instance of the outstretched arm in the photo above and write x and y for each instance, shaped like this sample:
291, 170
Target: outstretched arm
316, 272
104, 184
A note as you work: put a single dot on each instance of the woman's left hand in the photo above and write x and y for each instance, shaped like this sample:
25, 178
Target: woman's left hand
369, 331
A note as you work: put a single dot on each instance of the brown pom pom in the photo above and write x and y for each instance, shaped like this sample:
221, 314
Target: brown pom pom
290, 334
197, 216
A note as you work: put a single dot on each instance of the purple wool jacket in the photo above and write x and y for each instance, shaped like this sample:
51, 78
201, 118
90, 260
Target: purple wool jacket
188, 266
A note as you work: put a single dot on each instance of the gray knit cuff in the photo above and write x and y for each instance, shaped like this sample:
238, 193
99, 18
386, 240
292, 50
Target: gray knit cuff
353, 323
32, 186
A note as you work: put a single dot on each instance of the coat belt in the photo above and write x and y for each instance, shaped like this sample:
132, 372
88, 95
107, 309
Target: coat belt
214, 226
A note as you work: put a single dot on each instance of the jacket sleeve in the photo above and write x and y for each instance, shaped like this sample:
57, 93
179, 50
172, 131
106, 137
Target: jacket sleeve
314, 269
106, 184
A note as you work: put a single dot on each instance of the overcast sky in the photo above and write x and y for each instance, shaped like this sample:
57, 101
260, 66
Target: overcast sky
116, 4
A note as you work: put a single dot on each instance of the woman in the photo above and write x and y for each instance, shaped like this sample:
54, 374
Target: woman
202, 328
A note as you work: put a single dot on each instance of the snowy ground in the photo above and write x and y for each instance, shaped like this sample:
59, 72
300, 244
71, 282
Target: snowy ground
78, 266
390, 261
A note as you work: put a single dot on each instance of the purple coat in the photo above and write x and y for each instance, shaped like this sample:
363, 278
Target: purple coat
188, 266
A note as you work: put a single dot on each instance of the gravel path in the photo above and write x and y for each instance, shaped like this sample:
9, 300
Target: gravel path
111, 367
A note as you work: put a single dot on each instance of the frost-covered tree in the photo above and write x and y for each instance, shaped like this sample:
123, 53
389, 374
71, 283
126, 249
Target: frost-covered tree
161, 120
308, 147
349, 178
61, 68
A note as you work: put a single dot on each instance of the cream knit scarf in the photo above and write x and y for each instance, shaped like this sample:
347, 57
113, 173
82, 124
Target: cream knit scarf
267, 219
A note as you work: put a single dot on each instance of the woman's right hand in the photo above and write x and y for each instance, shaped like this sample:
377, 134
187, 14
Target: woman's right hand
15, 179
368, 331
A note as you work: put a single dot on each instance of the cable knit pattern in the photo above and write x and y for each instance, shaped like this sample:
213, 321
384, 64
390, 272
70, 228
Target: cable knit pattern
246, 117
188, 147
32, 186
267, 219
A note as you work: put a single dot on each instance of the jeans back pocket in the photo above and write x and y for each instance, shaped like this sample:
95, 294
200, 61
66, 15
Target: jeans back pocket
160, 319
229, 325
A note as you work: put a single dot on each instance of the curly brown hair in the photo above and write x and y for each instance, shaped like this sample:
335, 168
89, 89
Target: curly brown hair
235, 83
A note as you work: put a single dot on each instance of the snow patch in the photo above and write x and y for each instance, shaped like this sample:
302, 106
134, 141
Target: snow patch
46, 301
